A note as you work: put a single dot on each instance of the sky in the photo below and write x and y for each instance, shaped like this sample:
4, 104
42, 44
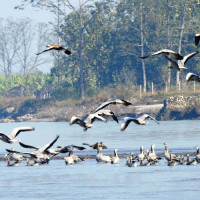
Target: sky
38, 15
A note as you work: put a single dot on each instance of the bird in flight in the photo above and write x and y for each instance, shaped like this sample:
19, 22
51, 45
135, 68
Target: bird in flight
55, 47
11, 137
192, 77
138, 121
167, 52
114, 101
197, 39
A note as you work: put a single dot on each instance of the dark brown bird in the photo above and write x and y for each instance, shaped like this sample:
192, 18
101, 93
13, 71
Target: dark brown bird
55, 47
197, 39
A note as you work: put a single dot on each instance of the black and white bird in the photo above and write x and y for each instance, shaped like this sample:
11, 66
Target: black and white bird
192, 77
114, 101
11, 138
138, 121
180, 64
176, 55
55, 47
96, 145
197, 39
68, 148
40, 153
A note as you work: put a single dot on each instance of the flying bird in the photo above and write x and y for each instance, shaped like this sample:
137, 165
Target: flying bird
180, 64
176, 55
11, 137
68, 148
55, 47
113, 101
96, 145
197, 39
192, 77
139, 121
107, 113
39, 153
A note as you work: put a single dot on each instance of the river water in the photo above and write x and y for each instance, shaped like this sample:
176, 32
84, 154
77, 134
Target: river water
90, 180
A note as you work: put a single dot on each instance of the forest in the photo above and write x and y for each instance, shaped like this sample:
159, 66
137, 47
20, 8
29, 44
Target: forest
106, 38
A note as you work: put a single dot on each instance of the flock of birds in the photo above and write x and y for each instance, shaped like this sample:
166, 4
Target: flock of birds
42, 155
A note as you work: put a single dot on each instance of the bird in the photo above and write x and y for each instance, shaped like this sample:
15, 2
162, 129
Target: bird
115, 158
107, 113
167, 154
190, 161
14, 156
68, 148
39, 153
55, 47
197, 39
113, 101
197, 154
87, 123
139, 121
80, 122
141, 156
11, 137
102, 158
96, 145
152, 156
171, 162
192, 77
176, 55
69, 160
180, 64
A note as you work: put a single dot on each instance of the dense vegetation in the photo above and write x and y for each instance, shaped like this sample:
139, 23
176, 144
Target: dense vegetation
106, 39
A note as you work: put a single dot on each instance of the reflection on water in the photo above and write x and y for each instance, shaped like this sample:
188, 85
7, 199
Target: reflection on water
90, 180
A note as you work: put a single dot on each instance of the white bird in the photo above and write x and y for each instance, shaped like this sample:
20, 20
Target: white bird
139, 121
69, 160
14, 156
115, 158
11, 137
88, 122
192, 77
39, 153
176, 55
113, 101
180, 64
102, 158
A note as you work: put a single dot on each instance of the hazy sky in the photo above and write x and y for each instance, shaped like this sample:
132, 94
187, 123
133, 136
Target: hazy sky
38, 15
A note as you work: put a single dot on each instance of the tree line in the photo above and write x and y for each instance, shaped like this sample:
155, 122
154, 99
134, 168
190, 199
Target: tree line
106, 39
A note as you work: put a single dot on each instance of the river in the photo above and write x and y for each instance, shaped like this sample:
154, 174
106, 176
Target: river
90, 180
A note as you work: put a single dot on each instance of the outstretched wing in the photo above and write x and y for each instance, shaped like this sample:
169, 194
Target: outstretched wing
146, 116
66, 51
28, 146
187, 57
126, 122
5, 138
44, 51
192, 77
197, 39
49, 145
16, 131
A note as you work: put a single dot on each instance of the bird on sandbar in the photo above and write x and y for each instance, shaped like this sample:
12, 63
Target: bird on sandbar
192, 77
55, 47
138, 121
11, 137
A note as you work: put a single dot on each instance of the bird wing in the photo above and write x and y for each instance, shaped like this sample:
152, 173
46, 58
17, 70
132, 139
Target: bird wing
126, 122
146, 116
16, 131
28, 146
22, 153
92, 117
44, 51
192, 77
173, 63
107, 113
76, 120
196, 39
144, 57
78, 147
102, 105
168, 52
187, 57
49, 145
4, 138
66, 51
